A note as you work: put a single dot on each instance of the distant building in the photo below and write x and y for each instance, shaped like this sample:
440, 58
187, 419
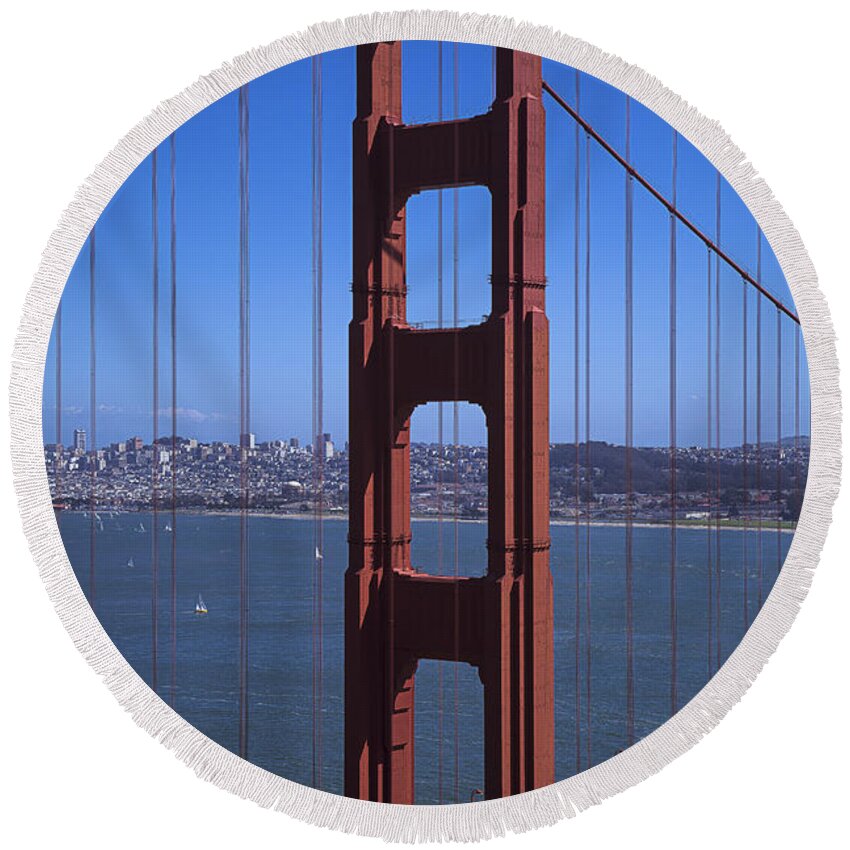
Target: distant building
135, 444
294, 443
324, 446
80, 440
248, 441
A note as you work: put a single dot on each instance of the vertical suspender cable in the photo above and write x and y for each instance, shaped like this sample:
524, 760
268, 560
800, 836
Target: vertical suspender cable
244, 415
779, 450
93, 417
797, 333
392, 286
319, 453
577, 241
456, 417
717, 582
440, 434
709, 466
173, 260
745, 581
155, 423
760, 523
629, 345
314, 428
674, 646
59, 453
588, 468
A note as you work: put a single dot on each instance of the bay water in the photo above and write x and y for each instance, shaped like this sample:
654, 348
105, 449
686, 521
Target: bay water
282, 557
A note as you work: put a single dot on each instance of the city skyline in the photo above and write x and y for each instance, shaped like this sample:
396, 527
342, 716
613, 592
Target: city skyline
165, 439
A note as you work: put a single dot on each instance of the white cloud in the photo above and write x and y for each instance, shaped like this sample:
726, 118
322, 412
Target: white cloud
192, 415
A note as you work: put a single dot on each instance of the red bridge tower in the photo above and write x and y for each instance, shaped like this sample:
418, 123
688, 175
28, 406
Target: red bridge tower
501, 622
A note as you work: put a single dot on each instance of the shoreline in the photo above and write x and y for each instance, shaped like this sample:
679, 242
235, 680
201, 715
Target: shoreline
769, 527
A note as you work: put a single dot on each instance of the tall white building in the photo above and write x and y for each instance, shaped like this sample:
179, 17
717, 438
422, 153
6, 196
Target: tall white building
324, 446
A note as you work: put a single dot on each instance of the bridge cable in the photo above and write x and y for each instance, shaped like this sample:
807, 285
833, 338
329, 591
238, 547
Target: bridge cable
760, 521
797, 494
629, 423
674, 647
717, 462
59, 452
244, 414
319, 451
707, 241
440, 437
93, 417
173, 262
709, 467
588, 468
155, 424
779, 449
745, 582
392, 286
576, 390
456, 413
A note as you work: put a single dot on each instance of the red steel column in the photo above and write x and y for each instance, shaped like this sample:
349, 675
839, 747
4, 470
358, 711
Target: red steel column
518, 666
391, 614
378, 706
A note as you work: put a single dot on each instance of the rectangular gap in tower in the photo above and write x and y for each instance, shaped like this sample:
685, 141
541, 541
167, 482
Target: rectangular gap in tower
448, 485
466, 261
476, 84
449, 733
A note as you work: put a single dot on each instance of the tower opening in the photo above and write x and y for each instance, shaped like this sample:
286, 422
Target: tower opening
449, 733
448, 489
449, 234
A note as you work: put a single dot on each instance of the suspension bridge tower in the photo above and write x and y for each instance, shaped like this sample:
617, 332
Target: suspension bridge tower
501, 622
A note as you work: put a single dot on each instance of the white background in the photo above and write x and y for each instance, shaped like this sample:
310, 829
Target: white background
76, 77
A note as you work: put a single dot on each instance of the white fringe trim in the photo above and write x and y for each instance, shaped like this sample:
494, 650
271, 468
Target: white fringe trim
466, 822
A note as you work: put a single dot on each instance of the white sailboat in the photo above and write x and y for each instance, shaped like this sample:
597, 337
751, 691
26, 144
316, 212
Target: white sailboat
200, 605
140, 528
319, 555
131, 563
168, 527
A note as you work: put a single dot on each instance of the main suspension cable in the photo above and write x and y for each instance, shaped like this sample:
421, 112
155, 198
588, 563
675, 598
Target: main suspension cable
709, 243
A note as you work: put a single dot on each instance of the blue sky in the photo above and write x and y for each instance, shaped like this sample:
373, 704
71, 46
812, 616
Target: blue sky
280, 249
